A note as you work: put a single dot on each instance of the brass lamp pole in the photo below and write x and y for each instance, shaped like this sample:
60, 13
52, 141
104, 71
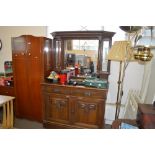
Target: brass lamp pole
118, 92
118, 52
123, 52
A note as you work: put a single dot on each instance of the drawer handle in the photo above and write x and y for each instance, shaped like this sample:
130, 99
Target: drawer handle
87, 93
56, 90
60, 104
87, 107
92, 107
67, 96
82, 105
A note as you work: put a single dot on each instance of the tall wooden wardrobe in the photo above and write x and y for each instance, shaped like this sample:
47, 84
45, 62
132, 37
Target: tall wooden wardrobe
32, 61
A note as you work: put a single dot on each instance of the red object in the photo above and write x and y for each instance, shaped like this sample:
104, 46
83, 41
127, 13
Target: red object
76, 70
63, 78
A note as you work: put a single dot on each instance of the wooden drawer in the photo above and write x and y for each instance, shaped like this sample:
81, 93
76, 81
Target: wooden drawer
6, 90
92, 93
57, 89
76, 91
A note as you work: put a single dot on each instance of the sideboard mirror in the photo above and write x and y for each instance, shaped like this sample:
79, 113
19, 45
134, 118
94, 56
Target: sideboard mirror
85, 49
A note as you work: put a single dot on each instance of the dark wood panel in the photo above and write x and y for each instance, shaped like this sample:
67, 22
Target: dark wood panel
7, 90
88, 112
29, 70
34, 80
57, 108
21, 88
146, 116
72, 111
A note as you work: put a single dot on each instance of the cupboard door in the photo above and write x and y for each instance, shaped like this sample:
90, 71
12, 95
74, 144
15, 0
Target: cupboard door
34, 69
89, 113
21, 88
57, 108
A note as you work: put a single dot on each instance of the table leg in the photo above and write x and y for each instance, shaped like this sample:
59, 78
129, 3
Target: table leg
11, 106
8, 115
4, 116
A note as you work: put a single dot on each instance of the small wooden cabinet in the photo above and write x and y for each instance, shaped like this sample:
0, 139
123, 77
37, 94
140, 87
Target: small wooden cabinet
73, 107
146, 116
7, 90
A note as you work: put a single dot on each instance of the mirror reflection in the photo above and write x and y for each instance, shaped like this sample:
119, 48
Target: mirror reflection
82, 54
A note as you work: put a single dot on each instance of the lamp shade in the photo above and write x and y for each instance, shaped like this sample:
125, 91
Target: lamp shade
120, 51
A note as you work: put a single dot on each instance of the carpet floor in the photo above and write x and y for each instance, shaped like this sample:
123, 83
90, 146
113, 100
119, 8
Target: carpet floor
27, 124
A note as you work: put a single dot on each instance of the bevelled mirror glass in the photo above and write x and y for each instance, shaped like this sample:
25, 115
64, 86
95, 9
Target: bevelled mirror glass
82, 54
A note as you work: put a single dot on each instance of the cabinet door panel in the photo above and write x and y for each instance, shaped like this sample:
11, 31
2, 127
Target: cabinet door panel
84, 111
21, 88
89, 112
34, 71
58, 106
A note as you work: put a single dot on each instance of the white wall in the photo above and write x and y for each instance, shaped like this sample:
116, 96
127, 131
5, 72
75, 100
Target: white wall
150, 95
6, 32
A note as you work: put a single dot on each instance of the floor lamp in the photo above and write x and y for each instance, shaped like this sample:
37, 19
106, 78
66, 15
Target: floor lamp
120, 51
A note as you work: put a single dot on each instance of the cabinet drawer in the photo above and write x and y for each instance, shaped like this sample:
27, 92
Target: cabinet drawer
89, 93
57, 89
4, 90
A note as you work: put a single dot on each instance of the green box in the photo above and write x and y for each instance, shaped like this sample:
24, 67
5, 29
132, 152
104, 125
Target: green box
95, 82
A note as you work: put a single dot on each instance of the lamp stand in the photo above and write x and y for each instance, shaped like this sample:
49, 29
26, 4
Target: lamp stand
118, 92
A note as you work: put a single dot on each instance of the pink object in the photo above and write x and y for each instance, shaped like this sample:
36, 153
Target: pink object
2, 81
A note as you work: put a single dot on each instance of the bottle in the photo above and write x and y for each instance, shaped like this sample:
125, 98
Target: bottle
76, 70
92, 67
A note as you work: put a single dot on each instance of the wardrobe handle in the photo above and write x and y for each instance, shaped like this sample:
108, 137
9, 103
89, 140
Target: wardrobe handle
67, 96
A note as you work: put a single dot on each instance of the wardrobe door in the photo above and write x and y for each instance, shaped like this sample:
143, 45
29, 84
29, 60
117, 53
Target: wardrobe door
34, 88
34, 76
21, 88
